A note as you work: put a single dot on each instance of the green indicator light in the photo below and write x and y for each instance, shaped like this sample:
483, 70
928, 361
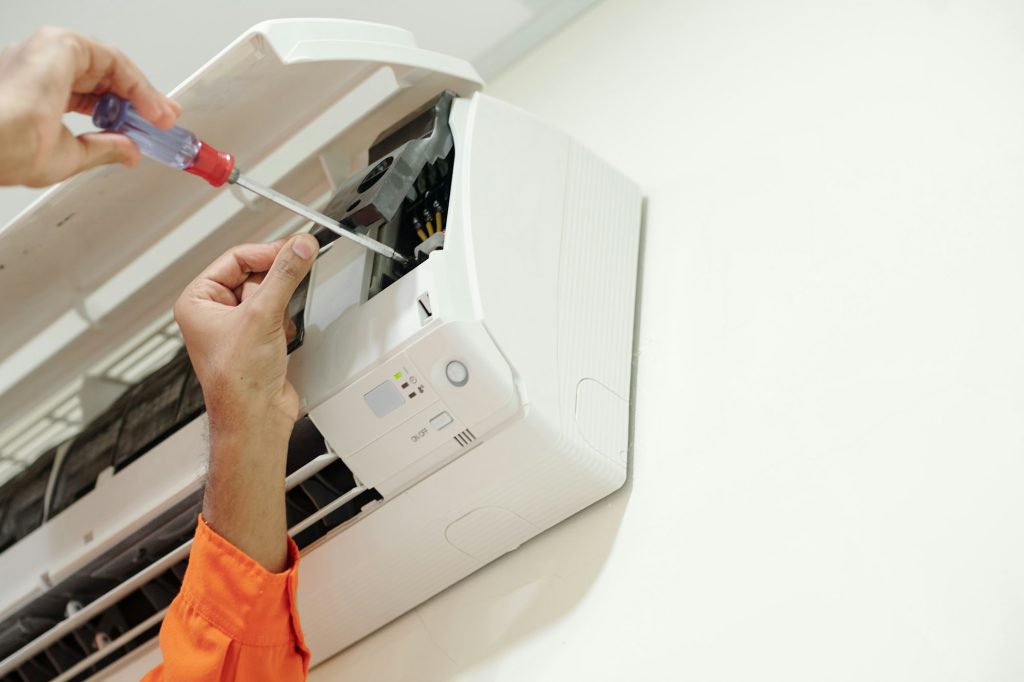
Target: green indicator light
398, 375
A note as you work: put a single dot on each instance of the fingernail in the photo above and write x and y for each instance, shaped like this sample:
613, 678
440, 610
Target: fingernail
302, 247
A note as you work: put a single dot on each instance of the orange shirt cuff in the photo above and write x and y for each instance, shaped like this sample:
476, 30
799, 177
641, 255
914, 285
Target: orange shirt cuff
239, 597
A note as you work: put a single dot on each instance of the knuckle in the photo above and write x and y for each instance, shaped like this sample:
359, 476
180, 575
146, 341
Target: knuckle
51, 32
131, 80
287, 269
63, 37
233, 251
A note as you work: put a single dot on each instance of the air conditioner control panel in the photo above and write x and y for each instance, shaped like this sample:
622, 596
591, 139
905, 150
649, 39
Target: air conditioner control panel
418, 407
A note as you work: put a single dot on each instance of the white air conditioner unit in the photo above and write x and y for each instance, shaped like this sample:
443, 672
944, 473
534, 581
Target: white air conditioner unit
455, 408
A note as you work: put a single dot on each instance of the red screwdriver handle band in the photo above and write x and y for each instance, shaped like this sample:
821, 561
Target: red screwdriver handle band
212, 165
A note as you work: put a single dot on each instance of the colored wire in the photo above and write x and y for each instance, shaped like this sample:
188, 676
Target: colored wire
430, 227
437, 221
422, 234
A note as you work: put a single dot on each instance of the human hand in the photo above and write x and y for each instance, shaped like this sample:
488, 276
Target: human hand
233, 318
56, 71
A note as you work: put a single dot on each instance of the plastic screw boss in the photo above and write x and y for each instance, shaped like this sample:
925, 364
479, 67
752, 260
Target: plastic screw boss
181, 149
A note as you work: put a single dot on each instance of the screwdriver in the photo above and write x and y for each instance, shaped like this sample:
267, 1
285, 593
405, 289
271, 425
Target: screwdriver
181, 149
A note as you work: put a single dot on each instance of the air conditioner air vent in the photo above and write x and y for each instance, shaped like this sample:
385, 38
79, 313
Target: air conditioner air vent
464, 438
120, 598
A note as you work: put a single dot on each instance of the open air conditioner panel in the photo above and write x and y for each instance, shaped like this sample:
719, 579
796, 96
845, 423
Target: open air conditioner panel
171, 397
401, 197
454, 407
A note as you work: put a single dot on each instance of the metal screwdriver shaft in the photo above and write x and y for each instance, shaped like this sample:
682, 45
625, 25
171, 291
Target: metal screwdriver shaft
181, 149
315, 216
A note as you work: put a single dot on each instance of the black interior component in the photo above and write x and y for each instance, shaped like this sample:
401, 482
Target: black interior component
345, 512
305, 444
376, 195
88, 583
24, 499
90, 452
416, 126
296, 308
38, 669
371, 178
140, 549
20, 631
426, 201
152, 410
319, 490
64, 654
191, 404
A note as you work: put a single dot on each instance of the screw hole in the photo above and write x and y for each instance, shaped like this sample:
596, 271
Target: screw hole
375, 174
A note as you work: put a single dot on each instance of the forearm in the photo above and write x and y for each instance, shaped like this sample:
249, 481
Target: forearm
234, 323
244, 500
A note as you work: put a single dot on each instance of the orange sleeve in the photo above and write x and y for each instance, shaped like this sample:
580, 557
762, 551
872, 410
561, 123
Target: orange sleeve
232, 619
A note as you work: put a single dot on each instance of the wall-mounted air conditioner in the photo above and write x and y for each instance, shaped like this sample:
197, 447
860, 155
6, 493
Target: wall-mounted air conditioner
454, 408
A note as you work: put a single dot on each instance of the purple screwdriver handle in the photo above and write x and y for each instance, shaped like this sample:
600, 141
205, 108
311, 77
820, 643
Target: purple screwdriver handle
175, 147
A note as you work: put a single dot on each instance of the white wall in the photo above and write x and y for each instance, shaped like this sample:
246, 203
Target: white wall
828, 441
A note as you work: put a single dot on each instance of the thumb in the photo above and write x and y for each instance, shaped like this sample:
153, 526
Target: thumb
293, 262
95, 149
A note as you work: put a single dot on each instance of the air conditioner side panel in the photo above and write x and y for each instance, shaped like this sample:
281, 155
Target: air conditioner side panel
414, 546
556, 286
552, 238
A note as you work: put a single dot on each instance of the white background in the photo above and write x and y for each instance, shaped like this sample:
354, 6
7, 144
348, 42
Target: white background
827, 472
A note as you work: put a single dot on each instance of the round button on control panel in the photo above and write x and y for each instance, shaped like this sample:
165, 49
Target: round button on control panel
457, 373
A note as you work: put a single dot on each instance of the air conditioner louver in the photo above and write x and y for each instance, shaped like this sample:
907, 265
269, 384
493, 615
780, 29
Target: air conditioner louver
117, 601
